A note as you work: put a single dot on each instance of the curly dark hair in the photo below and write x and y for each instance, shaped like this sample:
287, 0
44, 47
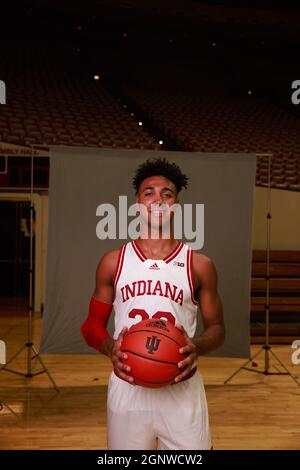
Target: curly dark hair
160, 167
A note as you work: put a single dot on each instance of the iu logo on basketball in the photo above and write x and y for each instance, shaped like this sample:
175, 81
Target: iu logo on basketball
152, 344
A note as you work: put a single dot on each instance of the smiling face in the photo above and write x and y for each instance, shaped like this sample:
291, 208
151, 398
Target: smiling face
156, 195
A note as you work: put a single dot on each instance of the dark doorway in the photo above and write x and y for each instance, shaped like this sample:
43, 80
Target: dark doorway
14, 256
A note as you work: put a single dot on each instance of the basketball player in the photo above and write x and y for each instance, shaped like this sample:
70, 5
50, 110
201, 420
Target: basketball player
174, 416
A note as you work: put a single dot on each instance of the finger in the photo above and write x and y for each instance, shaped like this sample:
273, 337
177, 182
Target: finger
121, 335
119, 341
121, 355
182, 364
123, 331
181, 376
186, 349
125, 377
124, 367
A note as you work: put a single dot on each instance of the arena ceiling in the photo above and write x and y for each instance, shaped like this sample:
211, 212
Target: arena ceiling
257, 41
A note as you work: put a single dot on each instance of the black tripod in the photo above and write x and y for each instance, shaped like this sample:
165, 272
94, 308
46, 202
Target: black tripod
32, 352
266, 348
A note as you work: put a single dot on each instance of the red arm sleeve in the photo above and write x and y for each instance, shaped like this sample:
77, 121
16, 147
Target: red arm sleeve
94, 328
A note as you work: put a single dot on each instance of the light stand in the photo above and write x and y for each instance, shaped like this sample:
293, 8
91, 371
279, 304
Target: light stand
266, 348
32, 352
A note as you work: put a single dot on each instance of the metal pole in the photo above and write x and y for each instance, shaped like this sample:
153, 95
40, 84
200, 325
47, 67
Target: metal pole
30, 322
266, 348
29, 345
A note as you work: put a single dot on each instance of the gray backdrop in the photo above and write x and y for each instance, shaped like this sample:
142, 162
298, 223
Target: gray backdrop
83, 178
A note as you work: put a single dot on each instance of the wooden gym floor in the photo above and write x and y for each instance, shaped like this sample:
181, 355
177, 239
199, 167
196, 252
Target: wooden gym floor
253, 411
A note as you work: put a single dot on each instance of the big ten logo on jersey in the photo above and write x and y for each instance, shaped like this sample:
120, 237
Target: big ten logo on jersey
295, 359
177, 263
2, 352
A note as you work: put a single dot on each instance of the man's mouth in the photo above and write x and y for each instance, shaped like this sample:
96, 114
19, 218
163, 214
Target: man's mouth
156, 212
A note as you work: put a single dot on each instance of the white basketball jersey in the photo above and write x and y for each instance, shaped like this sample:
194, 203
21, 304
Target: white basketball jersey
147, 288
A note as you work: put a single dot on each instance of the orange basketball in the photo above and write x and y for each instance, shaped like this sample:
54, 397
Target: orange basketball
152, 347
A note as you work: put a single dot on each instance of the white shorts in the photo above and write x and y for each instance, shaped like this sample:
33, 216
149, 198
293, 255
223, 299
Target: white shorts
169, 418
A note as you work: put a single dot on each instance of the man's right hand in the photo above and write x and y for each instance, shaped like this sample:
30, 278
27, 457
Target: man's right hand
117, 356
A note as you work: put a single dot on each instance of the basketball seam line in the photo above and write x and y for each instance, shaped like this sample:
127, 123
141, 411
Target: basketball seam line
149, 358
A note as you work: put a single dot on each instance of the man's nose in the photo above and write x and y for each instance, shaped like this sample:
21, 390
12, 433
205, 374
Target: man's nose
157, 199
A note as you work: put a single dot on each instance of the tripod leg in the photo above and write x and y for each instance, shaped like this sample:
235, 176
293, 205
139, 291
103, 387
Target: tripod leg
4, 405
13, 357
267, 361
242, 367
37, 355
284, 367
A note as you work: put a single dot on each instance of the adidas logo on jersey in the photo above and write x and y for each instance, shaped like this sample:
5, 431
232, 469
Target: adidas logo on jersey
176, 263
154, 266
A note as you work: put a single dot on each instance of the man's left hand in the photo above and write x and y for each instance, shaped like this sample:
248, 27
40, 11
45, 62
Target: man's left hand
189, 351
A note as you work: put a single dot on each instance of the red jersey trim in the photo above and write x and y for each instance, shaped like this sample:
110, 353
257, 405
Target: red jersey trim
190, 274
119, 268
138, 251
174, 253
166, 259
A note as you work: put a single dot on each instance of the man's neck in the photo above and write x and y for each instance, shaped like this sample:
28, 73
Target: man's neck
156, 248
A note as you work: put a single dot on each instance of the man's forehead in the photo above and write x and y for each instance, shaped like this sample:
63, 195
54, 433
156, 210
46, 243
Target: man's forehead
157, 181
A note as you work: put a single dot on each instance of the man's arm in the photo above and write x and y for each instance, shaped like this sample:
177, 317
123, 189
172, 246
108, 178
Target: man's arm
206, 284
104, 290
210, 305
94, 328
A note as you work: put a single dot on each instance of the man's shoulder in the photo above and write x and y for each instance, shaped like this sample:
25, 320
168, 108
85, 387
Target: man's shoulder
203, 265
109, 262
201, 259
111, 257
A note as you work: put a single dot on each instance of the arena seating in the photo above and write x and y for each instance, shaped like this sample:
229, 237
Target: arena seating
215, 121
46, 105
56, 108
284, 295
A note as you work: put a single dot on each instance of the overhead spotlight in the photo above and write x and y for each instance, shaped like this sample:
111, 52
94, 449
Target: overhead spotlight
124, 35
96, 77
131, 114
249, 92
213, 44
160, 142
140, 123
124, 106
79, 27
